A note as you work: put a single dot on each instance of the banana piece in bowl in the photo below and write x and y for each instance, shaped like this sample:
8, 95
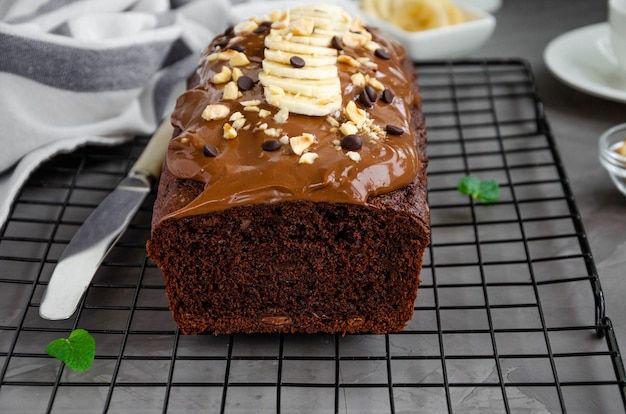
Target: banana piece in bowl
416, 15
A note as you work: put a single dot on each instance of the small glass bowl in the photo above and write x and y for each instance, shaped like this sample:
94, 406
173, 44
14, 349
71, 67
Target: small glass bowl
614, 162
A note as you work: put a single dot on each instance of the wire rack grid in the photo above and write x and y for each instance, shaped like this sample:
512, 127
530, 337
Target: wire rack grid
509, 316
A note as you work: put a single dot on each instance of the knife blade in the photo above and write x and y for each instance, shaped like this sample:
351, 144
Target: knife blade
101, 230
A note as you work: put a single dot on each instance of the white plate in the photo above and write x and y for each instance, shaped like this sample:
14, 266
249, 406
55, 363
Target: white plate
583, 60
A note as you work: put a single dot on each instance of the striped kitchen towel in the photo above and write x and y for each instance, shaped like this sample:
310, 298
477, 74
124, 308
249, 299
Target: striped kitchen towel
76, 72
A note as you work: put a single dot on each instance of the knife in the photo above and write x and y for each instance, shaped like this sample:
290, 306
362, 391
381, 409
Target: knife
101, 230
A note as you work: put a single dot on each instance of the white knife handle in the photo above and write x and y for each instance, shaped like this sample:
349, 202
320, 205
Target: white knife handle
150, 161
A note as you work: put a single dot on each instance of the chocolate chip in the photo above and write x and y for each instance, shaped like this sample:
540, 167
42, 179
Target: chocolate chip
351, 142
262, 29
381, 53
394, 130
229, 30
245, 83
237, 47
365, 100
387, 96
271, 145
371, 93
336, 43
297, 62
210, 151
267, 23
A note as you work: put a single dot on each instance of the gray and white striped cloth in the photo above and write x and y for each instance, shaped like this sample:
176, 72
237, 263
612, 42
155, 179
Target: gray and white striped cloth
91, 72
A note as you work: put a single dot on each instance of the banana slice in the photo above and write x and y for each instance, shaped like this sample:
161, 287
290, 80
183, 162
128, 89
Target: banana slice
304, 105
325, 88
313, 40
455, 15
378, 8
288, 71
275, 42
309, 60
313, 89
414, 15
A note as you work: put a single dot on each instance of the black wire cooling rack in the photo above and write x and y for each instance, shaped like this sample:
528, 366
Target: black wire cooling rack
509, 317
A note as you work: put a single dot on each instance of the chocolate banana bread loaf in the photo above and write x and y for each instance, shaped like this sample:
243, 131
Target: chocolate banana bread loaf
293, 194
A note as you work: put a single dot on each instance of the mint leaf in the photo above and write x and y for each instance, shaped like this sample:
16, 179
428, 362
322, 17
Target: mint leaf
484, 191
77, 352
489, 192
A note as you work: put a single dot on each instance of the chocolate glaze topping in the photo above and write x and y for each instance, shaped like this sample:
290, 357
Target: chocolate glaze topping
242, 172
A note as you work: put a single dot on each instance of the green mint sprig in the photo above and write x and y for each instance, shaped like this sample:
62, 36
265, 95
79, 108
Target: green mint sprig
77, 352
484, 191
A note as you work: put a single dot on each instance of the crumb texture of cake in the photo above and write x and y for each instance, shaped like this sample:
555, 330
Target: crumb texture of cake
293, 194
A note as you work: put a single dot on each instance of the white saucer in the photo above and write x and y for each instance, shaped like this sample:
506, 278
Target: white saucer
583, 60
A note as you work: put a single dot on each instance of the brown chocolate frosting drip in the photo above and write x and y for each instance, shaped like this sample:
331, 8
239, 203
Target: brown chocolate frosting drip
243, 173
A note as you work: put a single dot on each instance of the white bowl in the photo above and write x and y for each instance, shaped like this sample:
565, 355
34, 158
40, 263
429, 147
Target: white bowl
445, 42
610, 159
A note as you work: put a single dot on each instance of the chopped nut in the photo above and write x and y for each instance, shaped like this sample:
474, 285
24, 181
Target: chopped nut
212, 112
354, 40
227, 54
245, 27
375, 136
235, 116
348, 128
229, 131
372, 46
262, 126
237, 73
356, 115
273, 16
239, 59
302, 142
353, 155
251, 109
184, 140
282, 22
282, 116
308, 158
231, 91
274, 95
213, 57
253, 102
239, 123
223, 76
363, 60
357, 25
302, 27
358, 79
284, 140
332, 121
348, 60
376, 84
272, 132
264, 113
